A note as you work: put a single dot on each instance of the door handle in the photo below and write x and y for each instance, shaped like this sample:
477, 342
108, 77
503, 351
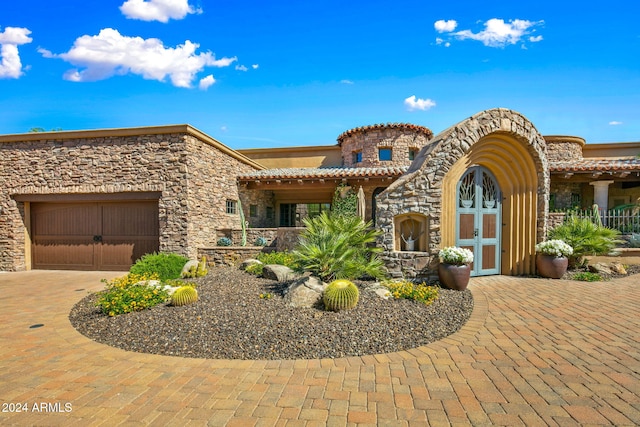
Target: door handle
97, 238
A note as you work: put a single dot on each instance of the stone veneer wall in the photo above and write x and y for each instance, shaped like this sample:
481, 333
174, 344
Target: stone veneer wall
420, 189
563, 192
193, 178
564, 148
262, 199
211, 182
400, 138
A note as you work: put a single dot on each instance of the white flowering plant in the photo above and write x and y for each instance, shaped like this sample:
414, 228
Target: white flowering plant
455, 255
556, 248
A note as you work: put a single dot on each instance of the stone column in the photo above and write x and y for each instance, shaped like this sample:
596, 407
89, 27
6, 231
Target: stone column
601, 194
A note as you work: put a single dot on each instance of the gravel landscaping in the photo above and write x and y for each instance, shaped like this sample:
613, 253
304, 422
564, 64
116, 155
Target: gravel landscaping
231, 321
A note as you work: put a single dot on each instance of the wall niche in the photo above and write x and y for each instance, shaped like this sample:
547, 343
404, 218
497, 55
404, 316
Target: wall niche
410, 232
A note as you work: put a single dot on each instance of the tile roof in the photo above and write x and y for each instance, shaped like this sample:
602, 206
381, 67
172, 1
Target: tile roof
334, 172
596, 165
585, 166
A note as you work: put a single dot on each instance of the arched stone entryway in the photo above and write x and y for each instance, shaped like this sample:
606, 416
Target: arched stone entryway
505, 143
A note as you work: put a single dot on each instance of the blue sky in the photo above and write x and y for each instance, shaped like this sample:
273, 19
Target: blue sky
291, 73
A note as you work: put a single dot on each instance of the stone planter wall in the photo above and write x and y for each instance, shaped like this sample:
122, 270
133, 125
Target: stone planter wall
229, 255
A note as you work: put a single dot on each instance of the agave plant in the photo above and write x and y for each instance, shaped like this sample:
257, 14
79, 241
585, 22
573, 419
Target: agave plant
338, 247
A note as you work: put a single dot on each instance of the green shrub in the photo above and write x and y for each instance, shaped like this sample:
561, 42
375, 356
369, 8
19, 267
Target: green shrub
166, 265
587, 276
586, 238
340, 295
282, 258
255, 269
345, 201
122, 295
184, 295
338, 247
409, 290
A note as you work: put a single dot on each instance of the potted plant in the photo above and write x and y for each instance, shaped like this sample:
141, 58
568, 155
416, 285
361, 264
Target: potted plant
552, 258
454, 269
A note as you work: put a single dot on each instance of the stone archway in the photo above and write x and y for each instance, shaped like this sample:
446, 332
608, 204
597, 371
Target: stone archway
500, 140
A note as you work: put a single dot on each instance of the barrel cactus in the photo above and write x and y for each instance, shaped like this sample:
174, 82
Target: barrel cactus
202, 270
340, 295
184, 295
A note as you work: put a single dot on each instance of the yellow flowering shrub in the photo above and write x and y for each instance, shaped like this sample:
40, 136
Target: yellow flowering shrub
122, 295
408, 290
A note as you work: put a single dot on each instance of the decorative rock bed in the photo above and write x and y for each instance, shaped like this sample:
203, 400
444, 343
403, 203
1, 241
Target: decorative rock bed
231, 320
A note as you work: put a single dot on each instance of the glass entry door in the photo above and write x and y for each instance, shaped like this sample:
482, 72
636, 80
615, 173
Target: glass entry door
478, 219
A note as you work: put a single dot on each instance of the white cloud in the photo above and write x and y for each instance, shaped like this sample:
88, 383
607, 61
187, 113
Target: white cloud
615, 123
412, 103
442, 42
10, 39
255, 66
224, 128
157, 10
535, 39
241, 68
498, 33
443, 26
206, 82
110, 53
346, 82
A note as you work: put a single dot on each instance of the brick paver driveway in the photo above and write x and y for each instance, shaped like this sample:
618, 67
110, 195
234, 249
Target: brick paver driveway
536, 352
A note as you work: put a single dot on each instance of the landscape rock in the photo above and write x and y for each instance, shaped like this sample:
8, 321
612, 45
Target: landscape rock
248, 263
619, 268
278, 272
305, 292
601, 268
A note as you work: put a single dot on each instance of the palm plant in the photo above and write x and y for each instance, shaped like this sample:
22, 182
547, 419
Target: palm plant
586, 238
338, 247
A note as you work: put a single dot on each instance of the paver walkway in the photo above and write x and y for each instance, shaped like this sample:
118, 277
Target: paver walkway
535, 352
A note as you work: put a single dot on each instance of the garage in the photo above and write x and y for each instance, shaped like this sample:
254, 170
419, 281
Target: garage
92, 235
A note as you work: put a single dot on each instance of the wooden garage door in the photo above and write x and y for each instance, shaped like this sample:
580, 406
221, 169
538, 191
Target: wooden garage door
92, 235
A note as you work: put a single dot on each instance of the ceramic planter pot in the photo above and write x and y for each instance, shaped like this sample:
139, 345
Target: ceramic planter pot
551, 266
454, 276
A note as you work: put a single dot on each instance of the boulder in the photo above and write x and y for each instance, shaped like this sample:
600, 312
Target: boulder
600, 268
278, 272
618, 268
248, 263
305, 292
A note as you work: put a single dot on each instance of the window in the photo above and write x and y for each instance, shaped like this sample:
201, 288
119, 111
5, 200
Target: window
412, 153
576, 201
288, 214
269, 212
384, 154
314, 209
232, 206
357, 156
253, 211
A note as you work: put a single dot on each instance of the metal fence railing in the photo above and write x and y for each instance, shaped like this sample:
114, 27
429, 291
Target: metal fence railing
624, 220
